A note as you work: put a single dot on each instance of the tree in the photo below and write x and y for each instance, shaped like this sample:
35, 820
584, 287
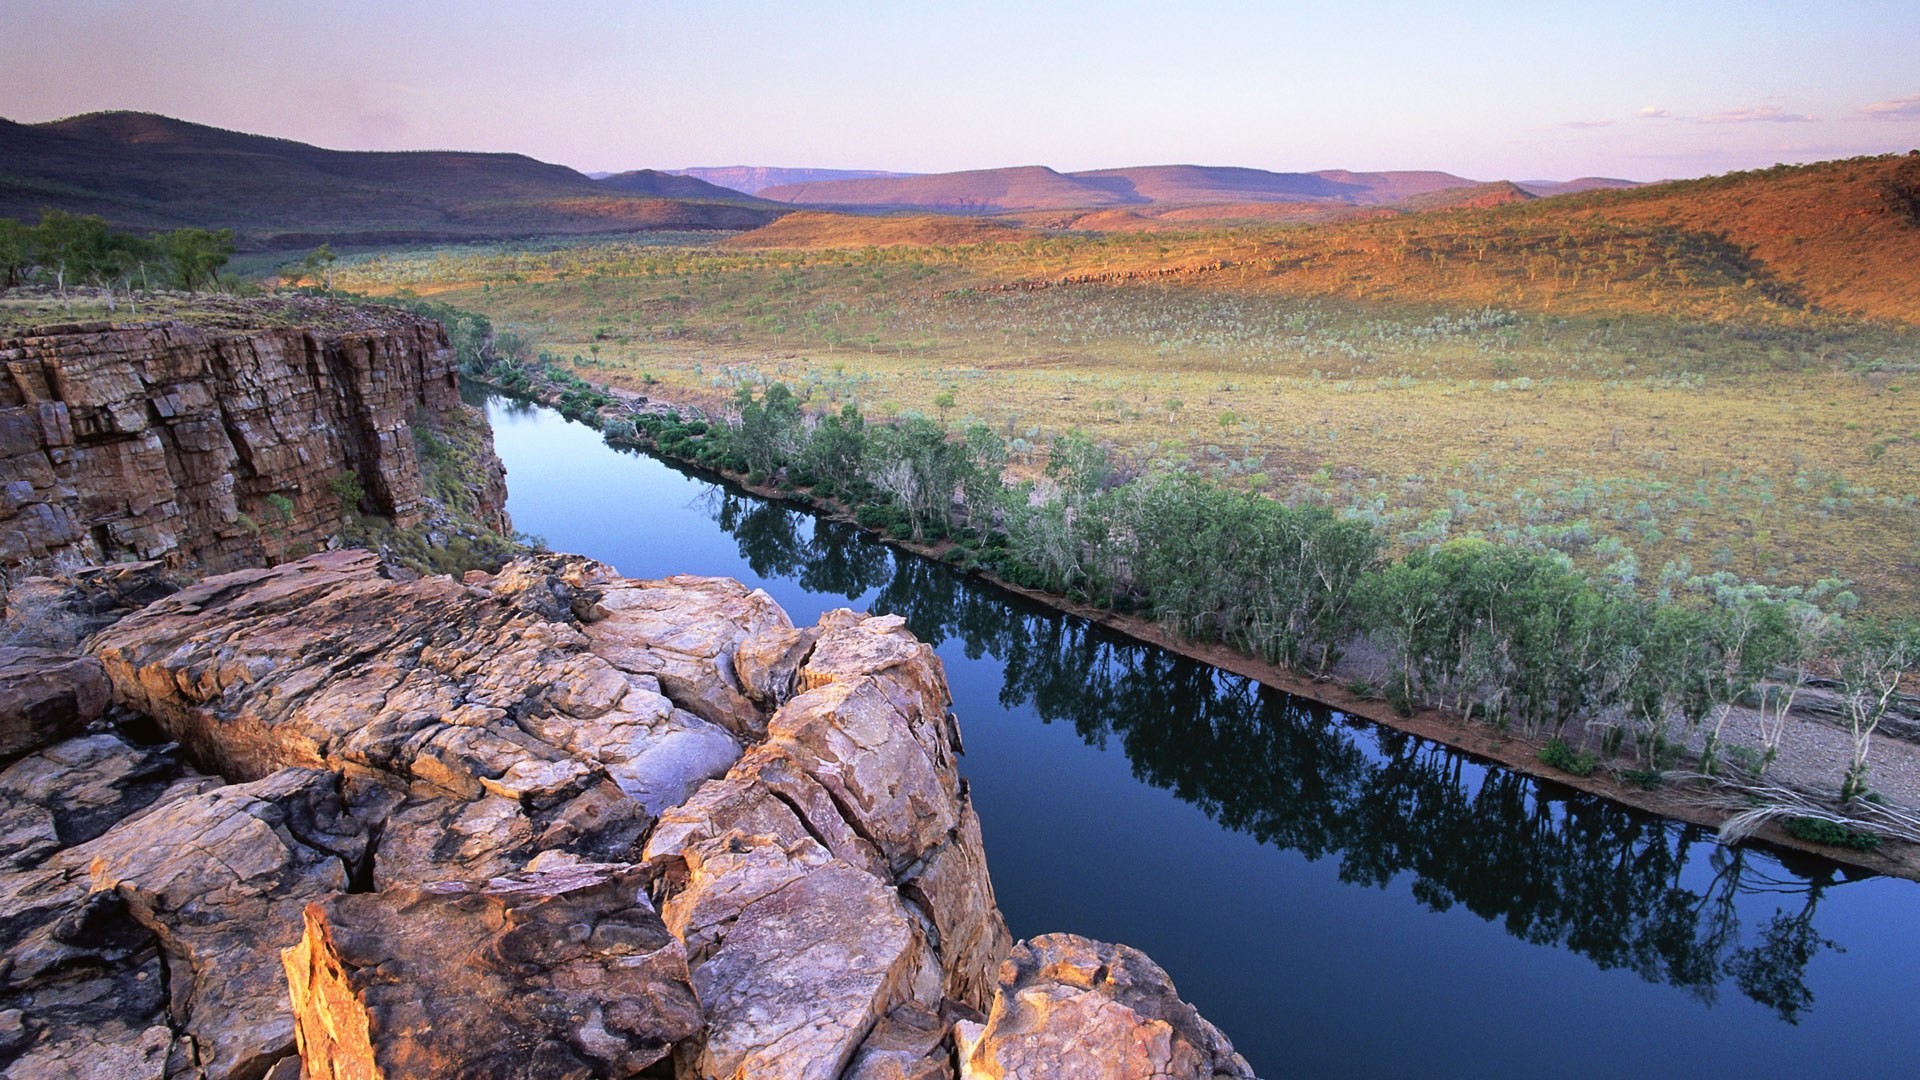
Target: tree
320, 262
196, 255
70, 245
16, 252
769, 432
1807, 631
118, 257
838, 444
1873, 657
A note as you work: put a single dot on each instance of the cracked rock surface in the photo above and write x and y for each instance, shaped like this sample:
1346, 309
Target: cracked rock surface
549, 822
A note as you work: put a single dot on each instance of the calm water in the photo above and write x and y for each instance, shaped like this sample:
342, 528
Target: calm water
1341, 899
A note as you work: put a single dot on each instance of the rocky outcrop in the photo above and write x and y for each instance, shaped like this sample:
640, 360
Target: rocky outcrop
564, 972
46, 696
219, 447
549, 822
827, 876
1069, 1008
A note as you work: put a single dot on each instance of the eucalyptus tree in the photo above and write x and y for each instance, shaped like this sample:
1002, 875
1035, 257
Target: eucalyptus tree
1872, 658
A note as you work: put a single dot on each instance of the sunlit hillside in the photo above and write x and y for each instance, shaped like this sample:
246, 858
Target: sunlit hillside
1616, 375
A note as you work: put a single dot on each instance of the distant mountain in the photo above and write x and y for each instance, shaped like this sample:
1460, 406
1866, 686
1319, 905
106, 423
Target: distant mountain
143, 171
1035, 187
1546, 188
1202, 184
753, 179
1476, 197
666, 185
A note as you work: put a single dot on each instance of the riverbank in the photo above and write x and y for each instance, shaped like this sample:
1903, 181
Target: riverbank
1680, 797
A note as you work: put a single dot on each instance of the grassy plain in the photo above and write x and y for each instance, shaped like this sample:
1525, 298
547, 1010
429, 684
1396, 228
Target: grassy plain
1661, 383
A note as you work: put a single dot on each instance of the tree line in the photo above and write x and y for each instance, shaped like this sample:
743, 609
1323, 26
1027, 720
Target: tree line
81, 249
1493, 633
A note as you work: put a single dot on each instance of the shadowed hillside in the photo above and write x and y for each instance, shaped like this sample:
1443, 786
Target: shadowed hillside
978, 191
1159, 186
666, 185
753, 179
813, 229
143, 171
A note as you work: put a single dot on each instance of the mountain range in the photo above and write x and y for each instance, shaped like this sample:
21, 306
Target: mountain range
1036, 187
144, 171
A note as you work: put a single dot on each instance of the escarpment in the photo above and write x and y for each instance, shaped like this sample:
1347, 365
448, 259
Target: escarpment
550, 822
322, 816
216, 447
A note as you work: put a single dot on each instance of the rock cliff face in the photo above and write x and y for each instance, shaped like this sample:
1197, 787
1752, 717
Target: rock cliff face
552, 822
217, 448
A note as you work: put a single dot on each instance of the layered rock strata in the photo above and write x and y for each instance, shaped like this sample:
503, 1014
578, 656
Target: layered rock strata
214, 447
552, 822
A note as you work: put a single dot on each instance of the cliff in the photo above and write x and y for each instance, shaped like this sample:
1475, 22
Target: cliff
222, 443
550, 822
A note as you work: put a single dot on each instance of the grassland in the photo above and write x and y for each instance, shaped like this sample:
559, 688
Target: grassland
1722, 375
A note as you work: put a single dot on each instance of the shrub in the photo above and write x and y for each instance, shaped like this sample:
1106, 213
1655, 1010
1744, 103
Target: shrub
1830, 833
1558, 755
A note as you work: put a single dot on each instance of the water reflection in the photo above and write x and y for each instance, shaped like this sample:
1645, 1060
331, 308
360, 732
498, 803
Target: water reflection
1551, 865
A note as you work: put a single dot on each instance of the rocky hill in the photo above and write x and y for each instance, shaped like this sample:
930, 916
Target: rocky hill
333, 819
143, 171
549, 822
212, 447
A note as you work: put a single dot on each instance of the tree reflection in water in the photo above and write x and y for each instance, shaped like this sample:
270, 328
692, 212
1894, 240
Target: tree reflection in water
1553, 866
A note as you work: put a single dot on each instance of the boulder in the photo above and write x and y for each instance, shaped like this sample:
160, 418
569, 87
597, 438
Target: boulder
1070, 1008
796, 957
152, 946
46, 696
554, 973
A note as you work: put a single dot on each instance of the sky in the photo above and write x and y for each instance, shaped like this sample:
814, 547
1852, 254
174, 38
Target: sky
1520, 91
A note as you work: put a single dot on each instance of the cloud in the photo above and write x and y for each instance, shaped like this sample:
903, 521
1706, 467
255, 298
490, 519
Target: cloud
1653, 112
1757, 114
1586, 123
1900, 108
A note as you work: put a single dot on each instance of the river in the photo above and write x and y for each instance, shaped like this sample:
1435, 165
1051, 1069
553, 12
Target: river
1341, 899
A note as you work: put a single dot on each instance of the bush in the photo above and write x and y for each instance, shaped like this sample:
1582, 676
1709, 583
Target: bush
1832, 834
1558, 755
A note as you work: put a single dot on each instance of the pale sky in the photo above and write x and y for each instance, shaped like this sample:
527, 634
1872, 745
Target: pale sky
1543, 90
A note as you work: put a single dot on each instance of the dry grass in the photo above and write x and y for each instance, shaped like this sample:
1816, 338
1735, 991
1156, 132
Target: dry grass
1586, 378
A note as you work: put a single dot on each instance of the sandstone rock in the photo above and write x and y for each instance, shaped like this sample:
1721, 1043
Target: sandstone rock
767, 664
500, 754
73, 791
909, 1043
560, 973
150, 948
684, 632
172, 441
61, 611
46, 696
796, 957
1069, 1008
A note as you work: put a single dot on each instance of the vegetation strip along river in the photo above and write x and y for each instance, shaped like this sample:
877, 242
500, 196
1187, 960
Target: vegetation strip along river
1313, 883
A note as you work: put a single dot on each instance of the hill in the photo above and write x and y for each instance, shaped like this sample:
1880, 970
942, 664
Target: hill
1039, 188
666, 185
753, 179
143, 171
816, 230
977, 191
1548, 188
1844, 234
1200, 184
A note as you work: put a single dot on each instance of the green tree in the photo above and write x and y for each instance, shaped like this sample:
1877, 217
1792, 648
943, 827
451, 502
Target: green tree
837, 446
769, 434
69, 245
1873, 656
16, 252
196, 255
